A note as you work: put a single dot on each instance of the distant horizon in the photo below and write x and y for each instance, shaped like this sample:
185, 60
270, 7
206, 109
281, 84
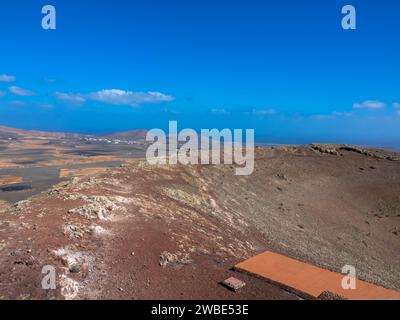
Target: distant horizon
259, 141
286, 69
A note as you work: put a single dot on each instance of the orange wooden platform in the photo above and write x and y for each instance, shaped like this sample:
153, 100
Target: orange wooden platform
310, 279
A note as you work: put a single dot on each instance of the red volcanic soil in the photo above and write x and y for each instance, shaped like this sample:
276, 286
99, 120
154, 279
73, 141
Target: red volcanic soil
174, 232
132, 240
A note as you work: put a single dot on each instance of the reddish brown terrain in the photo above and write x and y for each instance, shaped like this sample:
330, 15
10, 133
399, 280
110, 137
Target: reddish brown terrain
174, 232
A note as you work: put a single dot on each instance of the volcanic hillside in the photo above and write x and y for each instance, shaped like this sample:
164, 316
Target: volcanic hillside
162, 232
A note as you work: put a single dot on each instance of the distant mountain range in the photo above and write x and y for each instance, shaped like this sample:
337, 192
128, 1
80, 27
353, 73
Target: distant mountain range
127, 135
13, 133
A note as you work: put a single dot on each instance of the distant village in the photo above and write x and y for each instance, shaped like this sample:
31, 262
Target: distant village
139, 142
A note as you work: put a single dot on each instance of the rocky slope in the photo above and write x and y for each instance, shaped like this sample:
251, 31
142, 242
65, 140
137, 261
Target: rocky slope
146, 232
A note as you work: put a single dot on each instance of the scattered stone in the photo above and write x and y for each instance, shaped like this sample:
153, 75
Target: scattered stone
334, 149
325, 149
233, 284
69, 287
174, 259
75, 231
282, 176
100, 207
71, 258
327, 295
75, 268
100, 231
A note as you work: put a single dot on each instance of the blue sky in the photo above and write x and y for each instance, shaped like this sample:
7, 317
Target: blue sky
285, 68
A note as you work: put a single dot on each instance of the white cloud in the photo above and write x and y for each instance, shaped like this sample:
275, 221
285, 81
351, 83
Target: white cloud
396, 105
7, 78
70, 98
331, 116
130, 98
21, 92
116, 97
370, 105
